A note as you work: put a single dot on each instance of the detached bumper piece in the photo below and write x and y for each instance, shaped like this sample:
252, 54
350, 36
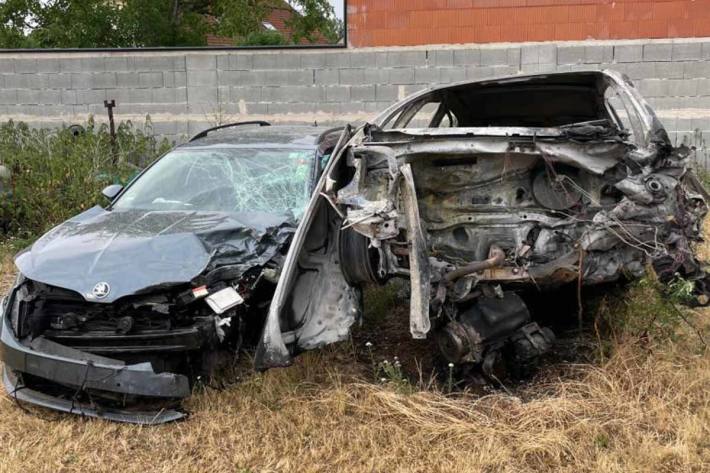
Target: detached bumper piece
78, 372
18, 391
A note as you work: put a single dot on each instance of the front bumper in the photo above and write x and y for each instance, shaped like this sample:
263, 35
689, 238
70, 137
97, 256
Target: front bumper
81, 371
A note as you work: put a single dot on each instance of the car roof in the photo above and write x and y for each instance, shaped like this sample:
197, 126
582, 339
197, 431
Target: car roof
297, 136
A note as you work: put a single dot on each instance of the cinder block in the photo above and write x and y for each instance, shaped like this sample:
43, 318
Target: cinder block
27, 97
658, 52
706, 50
82, 80
202, 78
241, 61
337, 59
151, 79
7, 65
628, 53
362, 93
164, 95
668, 70
640, 70
50, 96
467, 57
514, 55
201, 62
538, 54
57, 81
687, 51
127, 79
427, 75
293, 94
26, 81
68, 97
571, 55
351, 76
601, 54
117, 64
494, 56
441, 57
242, 78
202, 95
701, 124
285, 77
452, 74
88, 80
376, 76
70, 65
93, 64
248, 94
90, 96
47, 65
401, 75
38, 97
362, 60
653, 87
337, 93
386, 93
696, 69
406, 58
276, 61
314, 60
121, 96
703, 87
327, 76
682, 87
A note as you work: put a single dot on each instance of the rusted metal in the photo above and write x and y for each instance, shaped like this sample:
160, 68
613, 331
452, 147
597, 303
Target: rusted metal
112, 129
496, 256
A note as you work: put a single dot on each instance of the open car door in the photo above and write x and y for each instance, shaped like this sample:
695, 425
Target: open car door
313, 304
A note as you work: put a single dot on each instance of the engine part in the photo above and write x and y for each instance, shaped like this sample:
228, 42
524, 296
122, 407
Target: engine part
358, 262
495, 258
489, 321
528, 343
556, 190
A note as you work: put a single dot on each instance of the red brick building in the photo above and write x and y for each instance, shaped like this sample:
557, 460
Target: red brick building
414, 22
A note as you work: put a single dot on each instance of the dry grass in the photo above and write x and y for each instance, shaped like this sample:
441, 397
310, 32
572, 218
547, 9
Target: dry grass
645, 409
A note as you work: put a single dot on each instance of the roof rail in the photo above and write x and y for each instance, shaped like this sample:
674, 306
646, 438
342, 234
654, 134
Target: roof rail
204, 133
327, 132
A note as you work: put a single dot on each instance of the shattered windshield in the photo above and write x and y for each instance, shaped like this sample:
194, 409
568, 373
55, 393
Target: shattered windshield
224, 180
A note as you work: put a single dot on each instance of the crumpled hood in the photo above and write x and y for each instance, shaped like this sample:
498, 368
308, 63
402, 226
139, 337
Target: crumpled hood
134, 250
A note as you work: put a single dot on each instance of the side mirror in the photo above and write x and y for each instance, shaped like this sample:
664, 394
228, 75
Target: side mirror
112, 191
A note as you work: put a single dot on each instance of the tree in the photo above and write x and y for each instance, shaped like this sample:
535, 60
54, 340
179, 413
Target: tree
240, 18
15, 19
71, 24
145, 23
317, 21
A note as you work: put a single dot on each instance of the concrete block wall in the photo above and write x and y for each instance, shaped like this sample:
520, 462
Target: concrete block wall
184, 92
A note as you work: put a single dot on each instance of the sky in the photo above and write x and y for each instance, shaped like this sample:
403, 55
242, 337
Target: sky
338, 6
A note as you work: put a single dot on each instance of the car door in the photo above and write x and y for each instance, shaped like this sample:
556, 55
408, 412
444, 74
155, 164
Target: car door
313, 304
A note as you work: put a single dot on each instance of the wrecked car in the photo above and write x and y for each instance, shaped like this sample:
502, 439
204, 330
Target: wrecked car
477, 191
118, 311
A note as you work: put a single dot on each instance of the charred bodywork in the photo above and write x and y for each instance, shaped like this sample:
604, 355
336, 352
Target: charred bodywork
476, 190
118, 311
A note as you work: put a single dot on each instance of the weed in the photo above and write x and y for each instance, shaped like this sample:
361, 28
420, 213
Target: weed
55, 174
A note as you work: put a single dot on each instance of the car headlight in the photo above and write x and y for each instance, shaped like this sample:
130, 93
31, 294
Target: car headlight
11, 310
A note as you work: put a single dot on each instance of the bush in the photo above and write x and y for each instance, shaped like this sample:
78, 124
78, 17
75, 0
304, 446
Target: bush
54, 174
263, 38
